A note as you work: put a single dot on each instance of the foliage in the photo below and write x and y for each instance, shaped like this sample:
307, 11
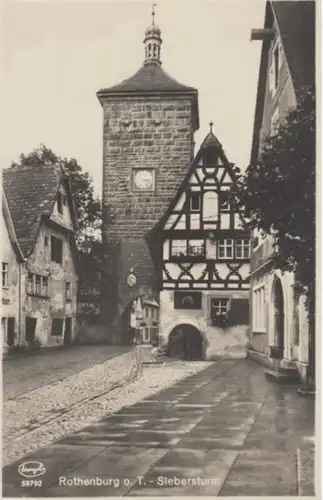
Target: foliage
278, 193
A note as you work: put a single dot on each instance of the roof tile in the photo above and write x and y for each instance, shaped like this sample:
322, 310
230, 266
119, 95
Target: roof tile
31, 193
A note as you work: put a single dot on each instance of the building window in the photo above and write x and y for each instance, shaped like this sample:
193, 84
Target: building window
68, 290
219, 306
224, 200
46, 241
56, 250
61, 202
38, 289
258, 309
45, 288
5, 274
146, 334
30, 283
195, 201
225, 249
187, 248
243, 249
37, 285
187, 300
179, 248
57, 327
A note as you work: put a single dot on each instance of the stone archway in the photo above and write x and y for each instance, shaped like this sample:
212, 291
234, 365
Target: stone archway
185, 342
279, 316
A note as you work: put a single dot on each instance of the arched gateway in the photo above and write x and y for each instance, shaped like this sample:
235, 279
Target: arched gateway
186, 342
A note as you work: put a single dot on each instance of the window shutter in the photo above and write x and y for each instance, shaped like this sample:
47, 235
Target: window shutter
239, 312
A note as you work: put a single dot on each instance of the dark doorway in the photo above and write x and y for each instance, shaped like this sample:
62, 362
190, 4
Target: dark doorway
30, 328
11, 331
279, 317
68, 331
185, 342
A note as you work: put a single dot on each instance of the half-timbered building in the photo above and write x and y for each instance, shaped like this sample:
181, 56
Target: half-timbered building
201, 251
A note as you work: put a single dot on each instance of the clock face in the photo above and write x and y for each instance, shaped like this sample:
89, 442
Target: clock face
144, 180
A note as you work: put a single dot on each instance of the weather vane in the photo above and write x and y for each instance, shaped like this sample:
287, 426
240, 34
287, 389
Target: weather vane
153, 13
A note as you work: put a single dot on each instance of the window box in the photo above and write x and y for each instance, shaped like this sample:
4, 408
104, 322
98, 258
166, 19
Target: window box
220, 320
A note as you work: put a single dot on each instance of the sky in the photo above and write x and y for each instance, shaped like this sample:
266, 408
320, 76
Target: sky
57, 54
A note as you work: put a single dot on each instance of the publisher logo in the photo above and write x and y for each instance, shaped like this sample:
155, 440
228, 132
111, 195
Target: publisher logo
31, 469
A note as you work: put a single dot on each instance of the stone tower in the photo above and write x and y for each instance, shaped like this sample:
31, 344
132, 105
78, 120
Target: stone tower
149, 122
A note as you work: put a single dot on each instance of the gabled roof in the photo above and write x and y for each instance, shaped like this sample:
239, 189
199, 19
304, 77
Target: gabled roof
210, 141
151, 79
10, 227
31, 192
296, 26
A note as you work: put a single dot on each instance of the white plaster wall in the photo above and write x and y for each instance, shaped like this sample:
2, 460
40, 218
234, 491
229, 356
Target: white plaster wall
10, 294
230, 341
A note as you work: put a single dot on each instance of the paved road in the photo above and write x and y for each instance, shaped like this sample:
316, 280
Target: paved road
22, 374
226, 428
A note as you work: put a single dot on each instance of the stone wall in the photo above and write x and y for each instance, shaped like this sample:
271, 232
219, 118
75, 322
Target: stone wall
151, 132
218, 342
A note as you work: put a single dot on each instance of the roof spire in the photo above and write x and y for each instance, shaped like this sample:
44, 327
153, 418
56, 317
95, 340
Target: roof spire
153, 13
152, 41
211, 126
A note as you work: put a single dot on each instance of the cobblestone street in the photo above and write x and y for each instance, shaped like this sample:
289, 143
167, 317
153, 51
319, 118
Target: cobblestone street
222, 431
22, 374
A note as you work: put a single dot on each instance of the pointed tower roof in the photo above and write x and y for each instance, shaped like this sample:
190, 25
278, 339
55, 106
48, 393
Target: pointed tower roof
210, 140
151, 79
